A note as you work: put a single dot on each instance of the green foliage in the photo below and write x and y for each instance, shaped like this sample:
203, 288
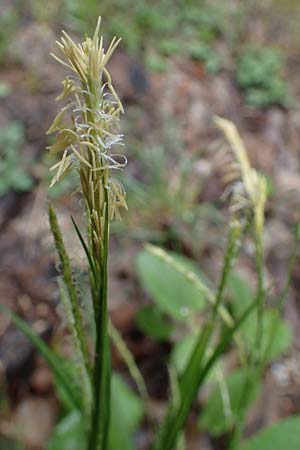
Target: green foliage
151, 321
9, 19
100, 411
70, 300
69, 368
169, 289
164, 205
127, 413
182, 352
62, 376
9, 444
193, 377
143, 26
273, 347
259, 74
207, 55
217, 416
200, 362
5, 89
13, 170
169, 195
285, 434
156, 62
68, 433
241, 296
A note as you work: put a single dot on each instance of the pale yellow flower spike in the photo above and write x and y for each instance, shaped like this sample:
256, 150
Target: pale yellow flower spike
254, 183
94, 109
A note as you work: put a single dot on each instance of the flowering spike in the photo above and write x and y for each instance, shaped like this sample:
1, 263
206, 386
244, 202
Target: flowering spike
94, 110
250, 187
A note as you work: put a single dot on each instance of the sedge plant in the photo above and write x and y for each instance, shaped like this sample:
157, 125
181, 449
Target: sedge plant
248, 205
86, 131
249, 193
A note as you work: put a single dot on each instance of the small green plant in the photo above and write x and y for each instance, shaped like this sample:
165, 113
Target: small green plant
191, 28
207, 55
8, 22
259, 74
183, 294
14, 172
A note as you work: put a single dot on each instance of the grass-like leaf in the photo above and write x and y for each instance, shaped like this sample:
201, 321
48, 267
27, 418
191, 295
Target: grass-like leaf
70, 300
71, 289
86, 250
65, 382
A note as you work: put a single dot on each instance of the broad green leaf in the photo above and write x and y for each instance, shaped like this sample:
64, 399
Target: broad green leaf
151, 321
126, 414
213, 417
68, 434
275, 345
241, 295
283, 435
170, 290
240, 292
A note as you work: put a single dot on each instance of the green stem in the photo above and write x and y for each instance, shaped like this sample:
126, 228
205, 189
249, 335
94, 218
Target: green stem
260, 297
197, 368
176, 419
256, 365
101, 411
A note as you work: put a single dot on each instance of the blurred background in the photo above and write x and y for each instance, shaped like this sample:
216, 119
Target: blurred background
179, 64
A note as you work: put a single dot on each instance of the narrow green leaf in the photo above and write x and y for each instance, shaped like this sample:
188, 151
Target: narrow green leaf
54, 362
80, 367
86, 250
71, 289
175, 419
182, 352
128, 358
